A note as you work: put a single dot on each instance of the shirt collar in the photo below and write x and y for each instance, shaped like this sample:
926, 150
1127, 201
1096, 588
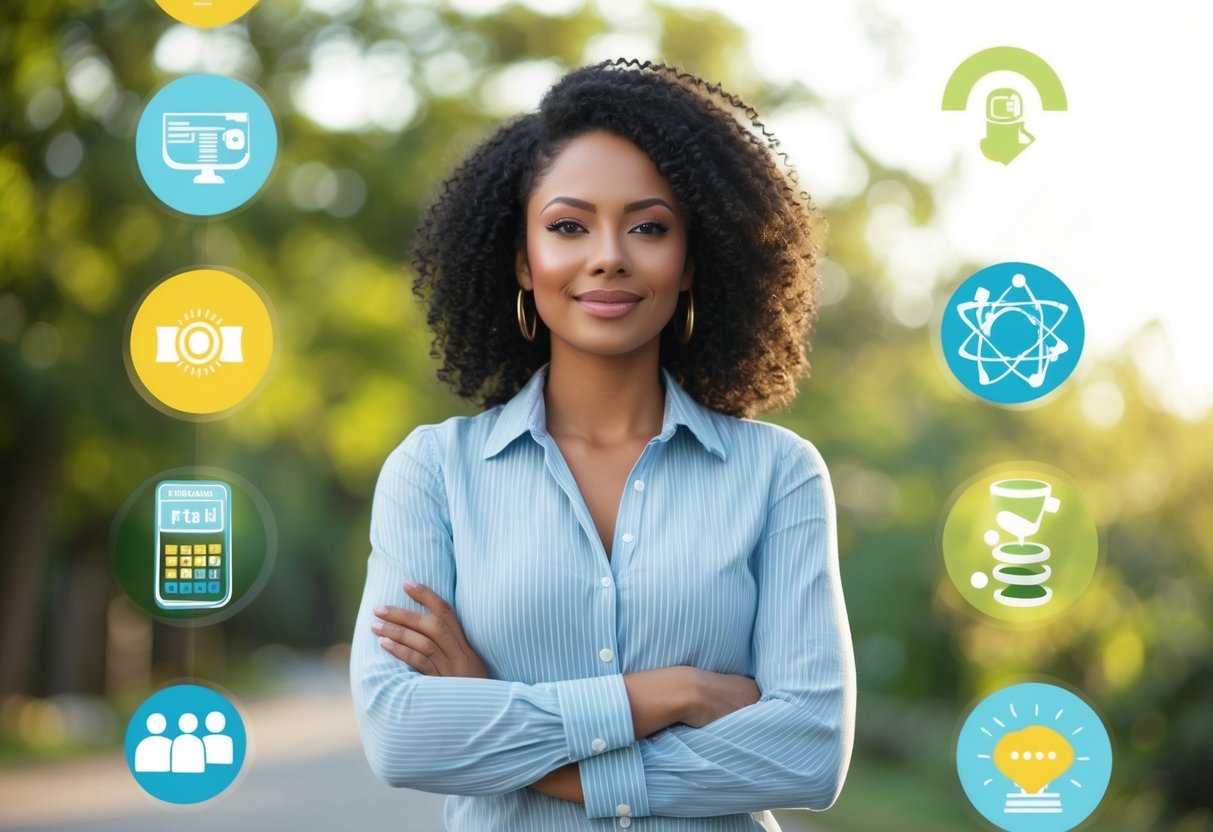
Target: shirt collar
525, 412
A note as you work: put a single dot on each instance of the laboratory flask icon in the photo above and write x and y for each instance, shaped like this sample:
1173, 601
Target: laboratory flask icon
1019, 543
1020, 505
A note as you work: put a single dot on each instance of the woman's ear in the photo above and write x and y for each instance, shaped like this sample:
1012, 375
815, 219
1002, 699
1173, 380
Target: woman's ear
522, 270
688, 272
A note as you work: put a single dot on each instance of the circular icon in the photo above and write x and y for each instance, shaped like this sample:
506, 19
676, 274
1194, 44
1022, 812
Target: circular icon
1019, 544
1012, 333
193, 546
200, 343
204, 14
185, 744
206, 144
1034, 757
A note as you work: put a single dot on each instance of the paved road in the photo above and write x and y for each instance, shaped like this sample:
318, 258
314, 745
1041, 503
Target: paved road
307, 773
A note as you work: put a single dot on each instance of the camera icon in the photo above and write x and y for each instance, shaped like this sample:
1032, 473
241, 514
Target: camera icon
234, 139
199, 347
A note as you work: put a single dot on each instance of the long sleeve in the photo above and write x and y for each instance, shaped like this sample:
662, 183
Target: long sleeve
791, 748
447, 734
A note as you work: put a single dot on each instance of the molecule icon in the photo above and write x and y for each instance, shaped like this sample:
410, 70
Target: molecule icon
1012, 333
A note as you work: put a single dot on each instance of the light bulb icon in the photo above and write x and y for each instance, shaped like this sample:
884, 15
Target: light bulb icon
1032, 759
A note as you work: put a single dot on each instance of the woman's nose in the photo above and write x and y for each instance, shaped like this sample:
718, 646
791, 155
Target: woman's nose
609, 256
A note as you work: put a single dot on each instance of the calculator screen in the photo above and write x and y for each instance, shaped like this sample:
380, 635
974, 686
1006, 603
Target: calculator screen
193, 554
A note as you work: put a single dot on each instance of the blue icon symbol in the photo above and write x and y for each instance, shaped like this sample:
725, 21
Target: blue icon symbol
1034, 758
193, 541
1012, 333
206, 144
185, 744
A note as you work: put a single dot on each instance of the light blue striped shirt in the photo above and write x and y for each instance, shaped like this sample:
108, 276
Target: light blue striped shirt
724, 557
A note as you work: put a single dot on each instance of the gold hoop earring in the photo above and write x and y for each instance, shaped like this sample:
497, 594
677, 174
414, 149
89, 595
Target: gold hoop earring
685, 336
522, 326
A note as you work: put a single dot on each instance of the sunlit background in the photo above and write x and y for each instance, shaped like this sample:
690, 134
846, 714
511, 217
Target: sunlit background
377, 100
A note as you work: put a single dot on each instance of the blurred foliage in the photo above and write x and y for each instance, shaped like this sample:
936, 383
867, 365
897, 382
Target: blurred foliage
81, 240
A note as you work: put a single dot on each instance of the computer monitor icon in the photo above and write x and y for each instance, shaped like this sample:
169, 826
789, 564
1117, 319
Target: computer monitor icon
206, 142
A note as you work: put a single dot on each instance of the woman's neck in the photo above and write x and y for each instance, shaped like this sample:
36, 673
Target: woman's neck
604, 400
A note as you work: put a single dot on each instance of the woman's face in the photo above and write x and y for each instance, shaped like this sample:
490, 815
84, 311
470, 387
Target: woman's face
604, 220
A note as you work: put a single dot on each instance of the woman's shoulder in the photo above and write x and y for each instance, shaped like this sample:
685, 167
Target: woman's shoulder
433, 443
779, 443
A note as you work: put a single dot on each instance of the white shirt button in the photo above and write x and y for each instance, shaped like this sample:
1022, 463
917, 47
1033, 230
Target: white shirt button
606, 654
627, 538
599, 745
625, 822
638, 485
606, 580
623, 809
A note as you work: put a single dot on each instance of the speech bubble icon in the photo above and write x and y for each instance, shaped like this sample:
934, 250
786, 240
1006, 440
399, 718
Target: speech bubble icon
1034, 757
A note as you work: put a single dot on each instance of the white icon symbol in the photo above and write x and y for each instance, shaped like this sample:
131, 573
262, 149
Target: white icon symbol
186, 753
152, 753
1005, 353
206, 142
198, 344
218, 745
1021, 505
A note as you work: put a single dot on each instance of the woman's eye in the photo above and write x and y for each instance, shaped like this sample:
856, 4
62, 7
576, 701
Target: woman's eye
654, 227
650, 228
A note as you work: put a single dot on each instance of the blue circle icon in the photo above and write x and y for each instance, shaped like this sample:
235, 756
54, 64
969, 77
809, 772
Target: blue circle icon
206, 144
1012, 333
185, 744
1034, 758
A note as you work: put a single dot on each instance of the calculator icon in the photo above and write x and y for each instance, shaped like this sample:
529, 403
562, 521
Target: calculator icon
193, 544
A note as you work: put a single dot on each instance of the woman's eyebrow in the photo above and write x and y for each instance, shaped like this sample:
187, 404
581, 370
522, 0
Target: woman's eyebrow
593, 209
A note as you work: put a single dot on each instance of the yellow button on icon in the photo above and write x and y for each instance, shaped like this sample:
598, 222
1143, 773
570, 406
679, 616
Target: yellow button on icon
200, 342
206, 14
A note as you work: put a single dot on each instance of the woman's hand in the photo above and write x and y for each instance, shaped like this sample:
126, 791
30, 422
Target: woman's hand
431, 643
714, 695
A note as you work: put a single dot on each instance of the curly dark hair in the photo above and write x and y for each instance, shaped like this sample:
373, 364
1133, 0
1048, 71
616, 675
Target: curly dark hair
751, 236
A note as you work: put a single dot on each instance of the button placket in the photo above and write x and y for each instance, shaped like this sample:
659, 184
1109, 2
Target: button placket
631, 505
559, 468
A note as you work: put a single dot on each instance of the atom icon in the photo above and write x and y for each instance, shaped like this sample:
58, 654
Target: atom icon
993, 354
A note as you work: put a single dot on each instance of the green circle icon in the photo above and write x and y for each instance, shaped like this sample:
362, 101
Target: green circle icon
1019, 542
194, 545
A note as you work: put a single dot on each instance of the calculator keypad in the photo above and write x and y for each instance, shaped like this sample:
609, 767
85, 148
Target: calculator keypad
192, 570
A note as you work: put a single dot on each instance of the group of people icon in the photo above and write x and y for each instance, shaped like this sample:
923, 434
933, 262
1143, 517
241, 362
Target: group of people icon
186, 753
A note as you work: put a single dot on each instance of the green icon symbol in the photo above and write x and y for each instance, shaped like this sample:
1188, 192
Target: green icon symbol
1006, 137
1020, 506
1019, 544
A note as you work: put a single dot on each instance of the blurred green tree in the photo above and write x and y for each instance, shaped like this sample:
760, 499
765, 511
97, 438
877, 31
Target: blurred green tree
376, 102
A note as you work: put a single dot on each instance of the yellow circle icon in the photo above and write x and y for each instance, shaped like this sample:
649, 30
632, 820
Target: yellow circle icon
201, 342
206, 14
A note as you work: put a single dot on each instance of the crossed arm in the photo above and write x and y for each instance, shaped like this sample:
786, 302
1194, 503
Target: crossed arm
599, 740
433, 643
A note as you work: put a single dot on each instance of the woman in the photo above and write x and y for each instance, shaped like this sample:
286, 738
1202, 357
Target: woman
627, 601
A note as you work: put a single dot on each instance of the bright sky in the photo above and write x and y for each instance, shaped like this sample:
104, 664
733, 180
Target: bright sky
1109, 197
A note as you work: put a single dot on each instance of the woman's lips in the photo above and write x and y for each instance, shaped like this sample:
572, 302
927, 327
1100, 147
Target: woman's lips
606, 310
